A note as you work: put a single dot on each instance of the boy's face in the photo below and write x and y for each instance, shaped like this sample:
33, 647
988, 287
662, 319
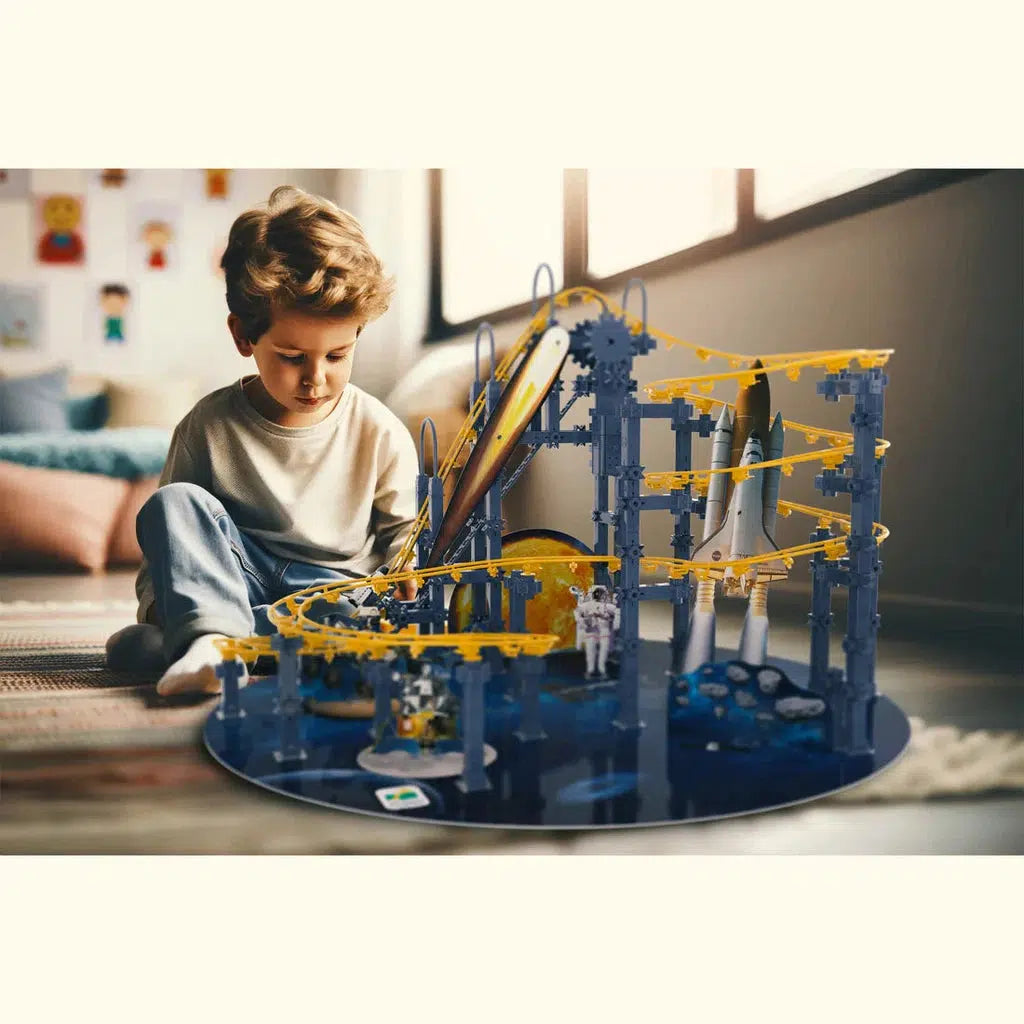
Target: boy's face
304, 363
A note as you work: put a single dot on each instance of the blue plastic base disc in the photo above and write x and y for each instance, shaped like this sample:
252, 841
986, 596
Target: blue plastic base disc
584, 773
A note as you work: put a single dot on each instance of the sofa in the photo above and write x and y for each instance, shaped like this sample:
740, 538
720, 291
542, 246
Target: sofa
79, 456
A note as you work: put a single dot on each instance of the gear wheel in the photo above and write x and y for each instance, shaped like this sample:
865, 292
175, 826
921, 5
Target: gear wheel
610, 340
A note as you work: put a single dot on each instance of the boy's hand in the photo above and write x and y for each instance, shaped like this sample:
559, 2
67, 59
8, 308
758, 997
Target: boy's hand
406, 590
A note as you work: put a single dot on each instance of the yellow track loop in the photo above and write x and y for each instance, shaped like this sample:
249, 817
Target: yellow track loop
288, 615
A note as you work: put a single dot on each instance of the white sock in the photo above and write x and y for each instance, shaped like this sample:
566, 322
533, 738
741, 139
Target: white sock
195, 670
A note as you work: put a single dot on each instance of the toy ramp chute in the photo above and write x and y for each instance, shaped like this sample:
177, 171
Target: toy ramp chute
518, 404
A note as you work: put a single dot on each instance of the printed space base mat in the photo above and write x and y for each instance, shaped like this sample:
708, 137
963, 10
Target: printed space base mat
584, 774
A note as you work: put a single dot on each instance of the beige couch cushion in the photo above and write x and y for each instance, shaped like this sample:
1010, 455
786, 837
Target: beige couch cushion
150, 403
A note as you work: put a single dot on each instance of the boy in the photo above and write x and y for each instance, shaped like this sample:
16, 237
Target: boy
287, 478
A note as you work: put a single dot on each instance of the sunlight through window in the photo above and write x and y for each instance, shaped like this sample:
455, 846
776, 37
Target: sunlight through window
780, 190
635, 217
496, 227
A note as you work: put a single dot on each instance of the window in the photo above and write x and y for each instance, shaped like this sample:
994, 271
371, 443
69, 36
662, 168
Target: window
779, 190
495, 225
491, 228
635, 217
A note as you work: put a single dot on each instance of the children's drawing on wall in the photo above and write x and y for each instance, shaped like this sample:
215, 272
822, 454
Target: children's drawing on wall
21, 316
114, 302
113, 177
13, 183
156, 229
61, 229
217, 184
157, 235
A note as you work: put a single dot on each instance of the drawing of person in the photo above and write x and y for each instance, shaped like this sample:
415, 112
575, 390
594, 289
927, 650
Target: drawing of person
61, 243
114, 301
157, 235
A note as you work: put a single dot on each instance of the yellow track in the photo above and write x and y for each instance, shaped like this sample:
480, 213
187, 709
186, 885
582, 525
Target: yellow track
288, 615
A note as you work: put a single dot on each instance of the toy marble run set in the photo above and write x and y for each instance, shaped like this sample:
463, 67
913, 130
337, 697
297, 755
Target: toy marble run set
529, 698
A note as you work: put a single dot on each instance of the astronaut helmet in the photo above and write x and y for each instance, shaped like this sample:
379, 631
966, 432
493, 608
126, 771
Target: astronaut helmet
598, 592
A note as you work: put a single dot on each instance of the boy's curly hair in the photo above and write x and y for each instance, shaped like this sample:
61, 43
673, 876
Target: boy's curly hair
301, 252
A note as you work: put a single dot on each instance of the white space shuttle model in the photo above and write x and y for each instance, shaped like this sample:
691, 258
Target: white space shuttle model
739, 525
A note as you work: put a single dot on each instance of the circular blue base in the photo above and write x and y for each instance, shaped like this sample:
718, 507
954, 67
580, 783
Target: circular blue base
584, 773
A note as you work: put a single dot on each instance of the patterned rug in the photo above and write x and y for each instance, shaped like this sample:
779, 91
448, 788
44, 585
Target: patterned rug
56, 691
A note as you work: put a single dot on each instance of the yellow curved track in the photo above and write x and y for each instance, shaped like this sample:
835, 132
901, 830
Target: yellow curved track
289, 614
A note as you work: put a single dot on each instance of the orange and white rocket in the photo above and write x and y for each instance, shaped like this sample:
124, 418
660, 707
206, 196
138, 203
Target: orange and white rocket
739, 525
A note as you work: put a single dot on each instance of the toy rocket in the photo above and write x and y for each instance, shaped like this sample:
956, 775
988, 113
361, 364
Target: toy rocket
739, 523
749, 521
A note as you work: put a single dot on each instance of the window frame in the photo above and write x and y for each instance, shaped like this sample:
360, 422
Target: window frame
751, 230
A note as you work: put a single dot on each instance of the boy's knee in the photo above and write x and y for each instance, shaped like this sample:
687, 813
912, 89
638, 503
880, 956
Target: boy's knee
175, 496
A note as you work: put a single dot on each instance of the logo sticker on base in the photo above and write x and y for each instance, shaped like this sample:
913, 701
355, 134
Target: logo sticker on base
402, 798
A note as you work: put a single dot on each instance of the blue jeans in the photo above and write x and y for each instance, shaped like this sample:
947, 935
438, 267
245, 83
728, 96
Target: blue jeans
209, 576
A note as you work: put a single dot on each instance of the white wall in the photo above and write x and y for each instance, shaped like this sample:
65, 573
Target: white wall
393, 208
177, 316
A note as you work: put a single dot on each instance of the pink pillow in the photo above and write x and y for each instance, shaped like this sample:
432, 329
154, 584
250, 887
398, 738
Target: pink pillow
56, 517
124, 547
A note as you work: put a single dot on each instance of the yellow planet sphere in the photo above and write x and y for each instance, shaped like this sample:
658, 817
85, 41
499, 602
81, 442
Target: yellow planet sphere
551, 611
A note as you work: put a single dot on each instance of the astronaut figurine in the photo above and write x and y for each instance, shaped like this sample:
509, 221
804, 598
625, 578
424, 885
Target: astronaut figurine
597, 621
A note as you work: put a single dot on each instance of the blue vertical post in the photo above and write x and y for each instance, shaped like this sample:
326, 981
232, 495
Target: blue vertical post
529, 670
478, 543
682, 539
820, 617
629, 549
861, 623
598, 461
436, 497
430, 489
378, 674
230, 671
520, 589
289, 703
492, 511
473, 676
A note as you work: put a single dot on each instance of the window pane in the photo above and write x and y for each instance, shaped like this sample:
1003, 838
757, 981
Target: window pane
638, 216
496, 227
779, 190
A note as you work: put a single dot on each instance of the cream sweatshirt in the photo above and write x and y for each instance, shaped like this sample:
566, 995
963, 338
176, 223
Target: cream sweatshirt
341, 493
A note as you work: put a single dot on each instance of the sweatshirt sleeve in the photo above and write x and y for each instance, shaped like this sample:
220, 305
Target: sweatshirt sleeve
180, 466
394, 501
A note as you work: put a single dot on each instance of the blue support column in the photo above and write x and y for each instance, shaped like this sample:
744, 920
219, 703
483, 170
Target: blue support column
378, 674
229, 673
528, 670
820, 618
520, 589
473, 675
493, 523
629, 549
430, 489
682, 539
289, 703
862, 627
852, 698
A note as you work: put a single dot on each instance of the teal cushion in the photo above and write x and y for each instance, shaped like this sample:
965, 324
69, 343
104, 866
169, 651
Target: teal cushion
89, 412
34, 403
124, 452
